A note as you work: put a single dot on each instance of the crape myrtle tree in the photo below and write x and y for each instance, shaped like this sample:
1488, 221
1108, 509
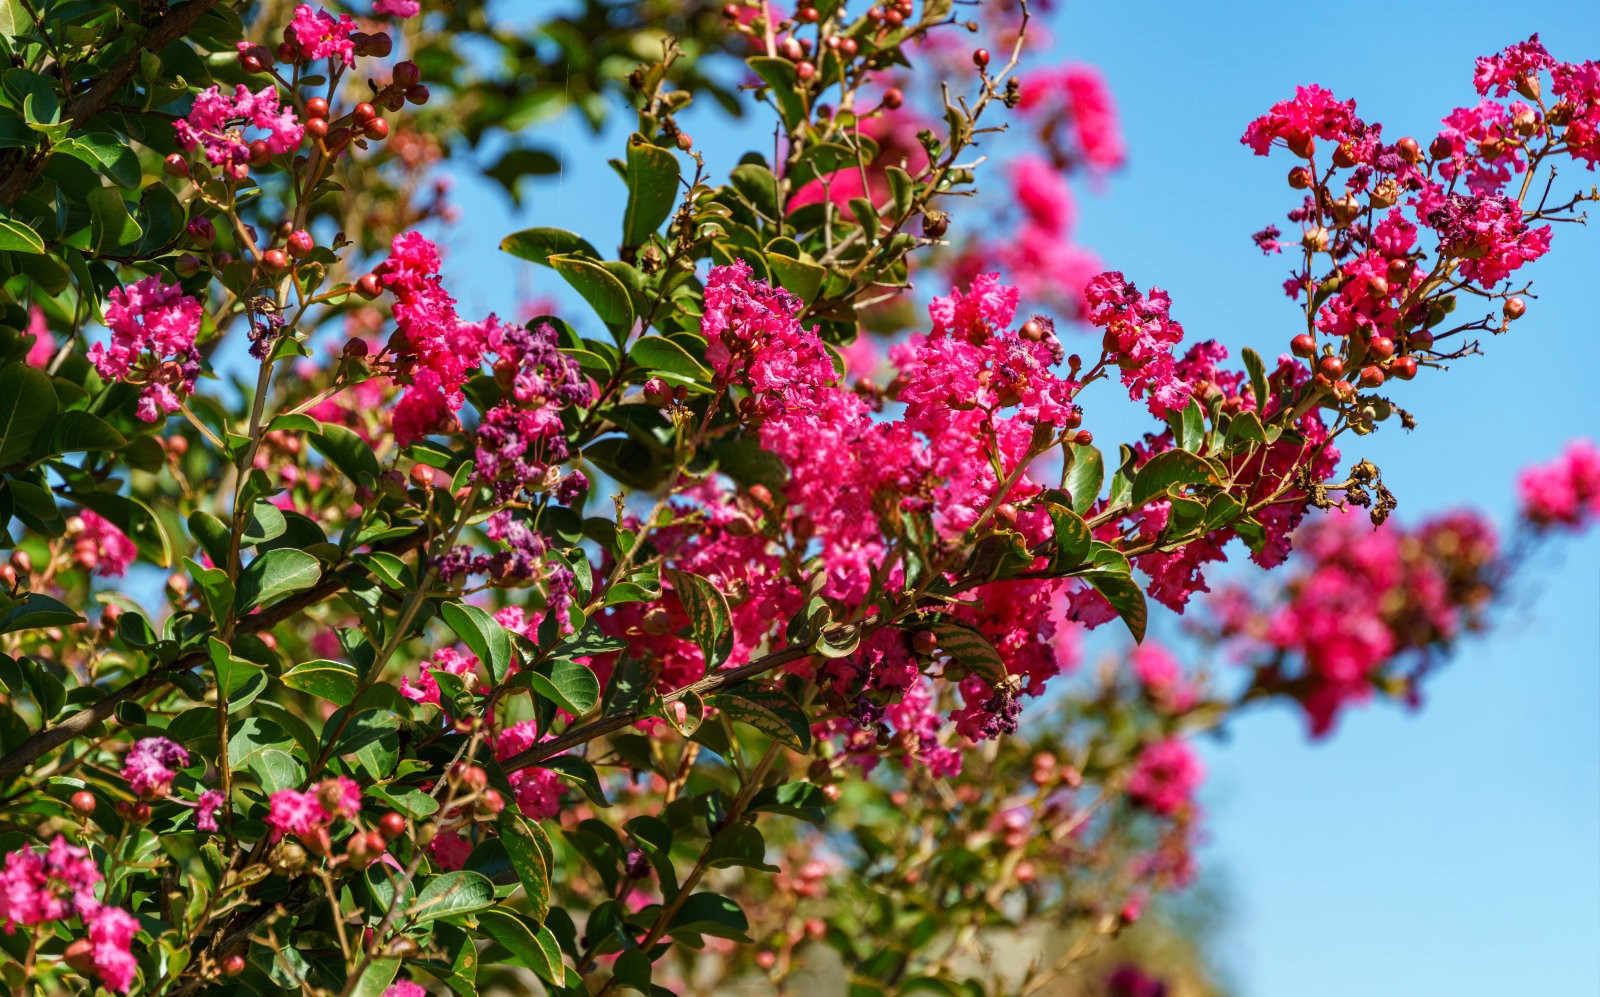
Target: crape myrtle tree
353, 645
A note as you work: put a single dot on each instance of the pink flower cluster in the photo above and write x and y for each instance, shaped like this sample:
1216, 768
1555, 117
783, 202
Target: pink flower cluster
317, 34
101, 547
1361, 601
307, 814
151, 764
1312, 113
438, 351
1564, 492
397, 8
1140, 334
1076, 117
1165, 777
216, 123
153, 325
43, 888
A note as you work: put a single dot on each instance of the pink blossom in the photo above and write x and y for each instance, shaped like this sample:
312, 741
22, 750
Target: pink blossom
153, 325
205, 812
1565, 491
294, 812
1504, 70
1165, 777
111, 932
35, 888
1311, 113
319, 35
401, 9
102, 547
151, 765
1140, 334
216, 122
449, 850
43, 349
1074, 99
1162, 678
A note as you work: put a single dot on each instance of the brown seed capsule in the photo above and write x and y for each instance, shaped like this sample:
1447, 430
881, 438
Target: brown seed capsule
1371, 376
368, 286
407, 73
233, 965
1409, 150
893, 98
1300, 178
980, 58
83, 801
1514, 308
1440, 148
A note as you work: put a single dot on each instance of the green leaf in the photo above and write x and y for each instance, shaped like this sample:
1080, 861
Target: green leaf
570, 685
15, 237
1245, 427
264, 523
348, 452
1072, 536
331, 680
451, 895
758, 186
377, 977
540, 244
709, 618
1258, 376
604, 292
769, 710
1169, 469
482, 634
78, 431
652, 176
105, 152
579, 773
658, 354
631, 970
27, 404
276, 574
110, 222
1085, 477
710, 914
536, 950
779, 75
527, 845
970, 649
802, 277
34, 611
133, 517
1125, 597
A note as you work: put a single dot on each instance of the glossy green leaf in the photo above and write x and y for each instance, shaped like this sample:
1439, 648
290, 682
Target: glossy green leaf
652, 177
658, 354
769, 710
27, 405
1125, 597
570, 685
537, 950
603, 291
709, 619
348, 452
1085, 477
482, 634
710, 914
528, 847
971, 649
540, 244
334, 681
1169, 469
451, 895
34, 611
276, 574
16, 237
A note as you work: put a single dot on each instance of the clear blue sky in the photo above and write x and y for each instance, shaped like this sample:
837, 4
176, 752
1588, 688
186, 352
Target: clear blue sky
1456, 851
